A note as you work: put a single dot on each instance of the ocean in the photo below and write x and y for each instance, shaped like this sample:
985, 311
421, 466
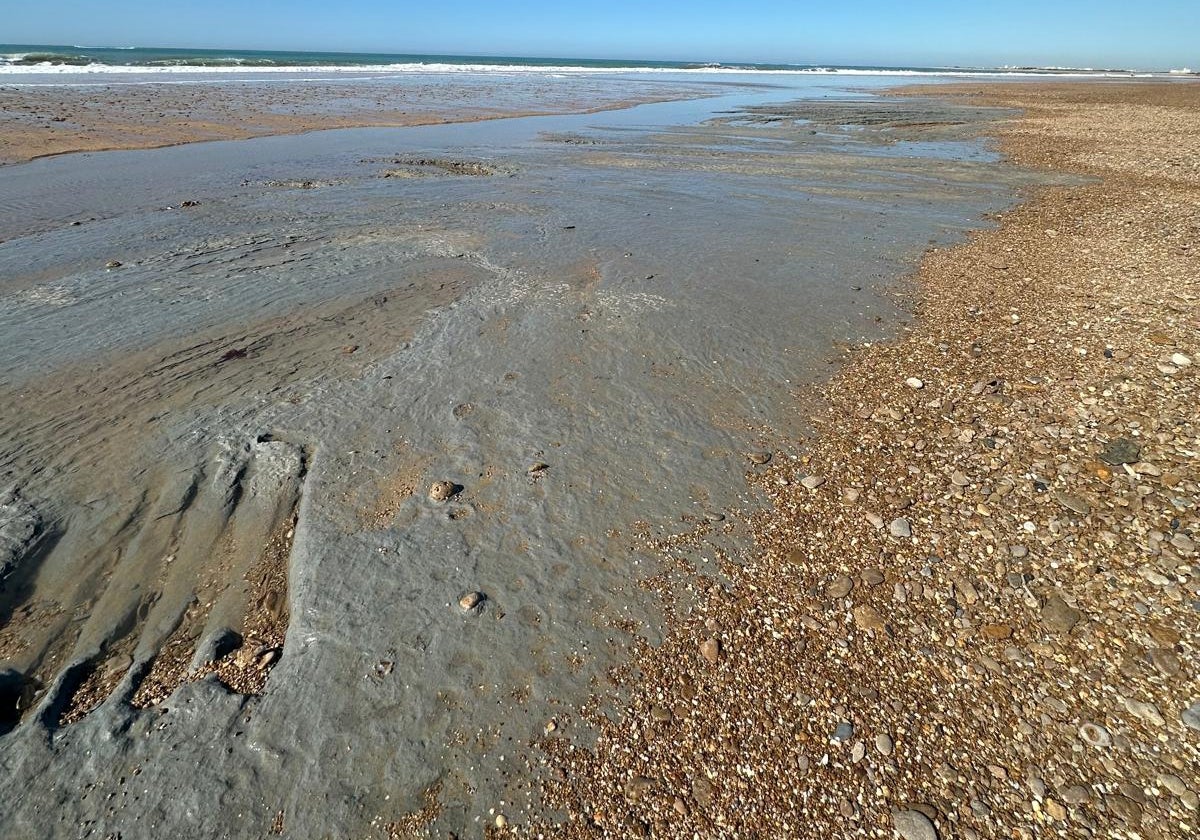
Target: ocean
43, 58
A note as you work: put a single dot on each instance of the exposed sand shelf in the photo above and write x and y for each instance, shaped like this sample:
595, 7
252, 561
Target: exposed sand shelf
290, 371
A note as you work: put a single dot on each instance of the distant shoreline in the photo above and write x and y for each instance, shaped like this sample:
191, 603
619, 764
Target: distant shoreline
27, 59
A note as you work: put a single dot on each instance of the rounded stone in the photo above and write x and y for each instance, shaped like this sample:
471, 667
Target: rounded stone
840, 587
913, 825
1095, 735
440, 491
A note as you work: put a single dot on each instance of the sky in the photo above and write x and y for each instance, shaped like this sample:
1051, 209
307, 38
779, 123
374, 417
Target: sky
1100, 33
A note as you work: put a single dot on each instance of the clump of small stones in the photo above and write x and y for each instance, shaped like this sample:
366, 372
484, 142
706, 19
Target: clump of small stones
982, 621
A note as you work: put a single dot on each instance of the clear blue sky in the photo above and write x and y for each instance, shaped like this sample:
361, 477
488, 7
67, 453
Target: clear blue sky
1119, 33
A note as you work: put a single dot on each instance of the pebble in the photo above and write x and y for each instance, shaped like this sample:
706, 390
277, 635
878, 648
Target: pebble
871, 577
111, 264
759, 458
1073, 503
1055, 810
1146, 711
1076, 795
501, 821
1191, 716
844, 731
811, 482
1125, 808
875, 520
637, 787
702, 791
914, 383
1180, 360
858, 752
840, 587
1121, 451
884, 744
710, 649
1173, 783
996, 632
440, 491
1095, 735
117, 665
868, 618
900, 528
913, 825
471, 600
1165, 661
1058, 616
959, 479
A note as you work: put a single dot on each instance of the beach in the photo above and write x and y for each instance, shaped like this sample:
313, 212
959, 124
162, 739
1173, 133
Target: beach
971, 610
772, 459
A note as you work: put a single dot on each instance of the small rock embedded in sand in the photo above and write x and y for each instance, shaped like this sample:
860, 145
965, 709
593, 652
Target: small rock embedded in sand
868, 618
1096, 735
1055, 810
501, 821
1146, 711
884, 744
840, 587
913, 825
914, 383
1058, 616
638, 786
117, 665
844, 731
111, 264
959, 479
1173, 783
710, 649
1121, 451
1076, 795
759, 458
1180, 360
1073, 503
1191, 716
996, 632
871, 576
537, 468
470, 601
811, 482
702, 791
900, 528
440, 491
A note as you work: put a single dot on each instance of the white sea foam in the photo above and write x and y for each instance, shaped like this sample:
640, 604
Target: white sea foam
497, 70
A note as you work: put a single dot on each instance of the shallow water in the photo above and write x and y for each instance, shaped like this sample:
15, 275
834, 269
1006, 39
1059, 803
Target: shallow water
632, 299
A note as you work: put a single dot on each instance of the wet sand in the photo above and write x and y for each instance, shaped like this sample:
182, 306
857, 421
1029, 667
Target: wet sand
37, 120
972, 608
229, 596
